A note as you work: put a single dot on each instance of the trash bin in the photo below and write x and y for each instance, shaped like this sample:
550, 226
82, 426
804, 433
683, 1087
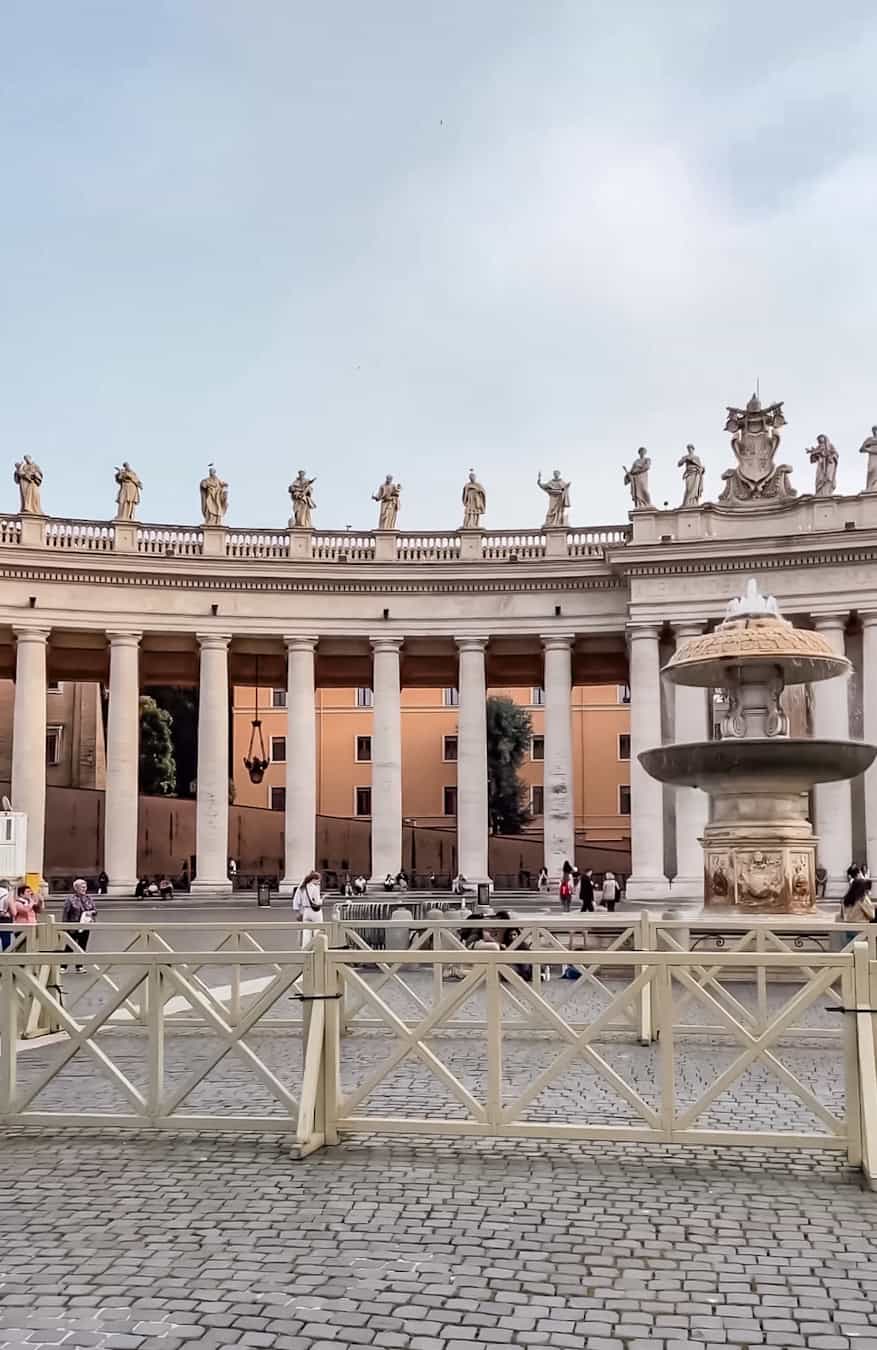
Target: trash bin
483, 894
263, 893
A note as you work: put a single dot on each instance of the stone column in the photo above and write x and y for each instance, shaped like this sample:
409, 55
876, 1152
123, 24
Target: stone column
123, 746
647, 880
472, 820
869, 731
560, 834
832, 802
29, 740
386, 761
211, 816
301, 763
692, 805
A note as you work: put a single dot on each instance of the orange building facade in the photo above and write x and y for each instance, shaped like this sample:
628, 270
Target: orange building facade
601, 755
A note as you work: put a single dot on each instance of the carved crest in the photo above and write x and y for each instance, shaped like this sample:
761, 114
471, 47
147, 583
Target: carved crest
755, 440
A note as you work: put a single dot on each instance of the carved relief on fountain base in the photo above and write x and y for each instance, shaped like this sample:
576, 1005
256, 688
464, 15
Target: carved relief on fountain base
760, 878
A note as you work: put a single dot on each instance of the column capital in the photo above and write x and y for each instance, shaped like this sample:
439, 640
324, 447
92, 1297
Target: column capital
28, 634
123, 638
557, 641
831, 623
471, 644
213, 641
386, 644
688, 628
297, 643
868, 617
636, 631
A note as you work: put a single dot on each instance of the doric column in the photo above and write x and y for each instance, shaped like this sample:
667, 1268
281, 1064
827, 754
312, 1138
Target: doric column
692, 804
869, 732
647, 880
211, 816
560, 833
386, 761
832, 801
29, 739
301, 763
472, 821
123, 746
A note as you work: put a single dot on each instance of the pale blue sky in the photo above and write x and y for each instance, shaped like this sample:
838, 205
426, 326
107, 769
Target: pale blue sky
409, 237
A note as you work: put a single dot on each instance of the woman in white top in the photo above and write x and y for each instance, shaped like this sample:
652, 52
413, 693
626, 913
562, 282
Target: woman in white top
308, 904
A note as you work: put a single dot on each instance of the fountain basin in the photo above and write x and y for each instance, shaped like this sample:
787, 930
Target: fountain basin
764, 764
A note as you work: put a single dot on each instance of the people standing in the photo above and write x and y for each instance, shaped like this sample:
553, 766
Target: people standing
26, 906
80, 909
542, 883
6, 916
610, 892
307, 903
586, 891
566, 892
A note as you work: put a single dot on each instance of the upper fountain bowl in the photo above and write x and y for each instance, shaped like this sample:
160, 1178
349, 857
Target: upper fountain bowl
762, 640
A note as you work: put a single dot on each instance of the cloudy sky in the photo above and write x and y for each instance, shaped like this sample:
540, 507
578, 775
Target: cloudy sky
410, 237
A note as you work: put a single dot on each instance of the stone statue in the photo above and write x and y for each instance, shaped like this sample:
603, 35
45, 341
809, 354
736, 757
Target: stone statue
869, 448
824, 456
302, 500
692, 478
558, 499
29, 477
637, 478
388, 496
128, 496
755, 441
214, 497
474, 502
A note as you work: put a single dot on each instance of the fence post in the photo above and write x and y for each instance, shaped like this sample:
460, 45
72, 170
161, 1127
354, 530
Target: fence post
646, 1008
235, 991
333, 1021
8, 1039
867, 1060
310, 1132
154, 1011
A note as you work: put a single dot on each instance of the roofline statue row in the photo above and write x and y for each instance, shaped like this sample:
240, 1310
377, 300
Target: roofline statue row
754, 479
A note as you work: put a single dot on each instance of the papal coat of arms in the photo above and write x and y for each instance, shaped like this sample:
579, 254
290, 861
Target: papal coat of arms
755, 441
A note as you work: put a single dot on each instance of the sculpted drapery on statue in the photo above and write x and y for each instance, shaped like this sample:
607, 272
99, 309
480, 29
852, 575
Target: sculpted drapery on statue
558, 499
128, 496
755, 441
692, 477
474, 502
302, 500
824, 456
214, 497
29, 477
869, 448
387, 496
637, 478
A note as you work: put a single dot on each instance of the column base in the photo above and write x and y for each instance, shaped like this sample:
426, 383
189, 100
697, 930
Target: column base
687, 888
287, 887
123, 887
221, 887
647, 888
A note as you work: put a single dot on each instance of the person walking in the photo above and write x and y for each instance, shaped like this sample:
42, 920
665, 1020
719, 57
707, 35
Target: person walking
307, 903
566, 892
81, 910
586, 891
610, 892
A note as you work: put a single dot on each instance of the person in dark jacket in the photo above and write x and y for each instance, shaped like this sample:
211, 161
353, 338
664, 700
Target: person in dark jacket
586, 891
81, 910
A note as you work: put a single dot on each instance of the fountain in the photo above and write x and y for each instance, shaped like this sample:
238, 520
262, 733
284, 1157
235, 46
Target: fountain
759, 846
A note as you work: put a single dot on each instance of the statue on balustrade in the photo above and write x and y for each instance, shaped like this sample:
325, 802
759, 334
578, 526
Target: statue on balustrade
869, 448
128, 496
29, 477
474, 502
824, 456
214, 497
692, 477
755, 441
637, 478
302, 500
558, 499
388, 495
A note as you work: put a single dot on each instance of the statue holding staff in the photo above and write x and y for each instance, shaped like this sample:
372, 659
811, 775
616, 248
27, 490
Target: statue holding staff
558, 499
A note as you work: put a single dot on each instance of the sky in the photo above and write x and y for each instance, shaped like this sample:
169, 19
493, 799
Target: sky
418, 238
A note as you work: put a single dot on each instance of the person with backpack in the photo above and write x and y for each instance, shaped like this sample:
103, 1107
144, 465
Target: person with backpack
307, 903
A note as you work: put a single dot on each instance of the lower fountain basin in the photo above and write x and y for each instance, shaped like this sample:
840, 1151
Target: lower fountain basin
773, 764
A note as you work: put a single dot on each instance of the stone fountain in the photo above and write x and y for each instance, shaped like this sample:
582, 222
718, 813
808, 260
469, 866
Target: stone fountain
759, 846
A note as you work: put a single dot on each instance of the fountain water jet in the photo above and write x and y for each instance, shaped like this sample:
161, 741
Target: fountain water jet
759, 846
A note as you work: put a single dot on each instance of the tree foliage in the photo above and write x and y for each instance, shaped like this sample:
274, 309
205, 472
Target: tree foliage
508, 739
182, 705
158, 769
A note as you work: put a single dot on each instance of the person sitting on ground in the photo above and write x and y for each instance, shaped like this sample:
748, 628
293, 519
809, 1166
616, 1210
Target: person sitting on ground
389, 883
401, 881
141, 888
166, 889
857, 905
511, 939
359, 885
103, 883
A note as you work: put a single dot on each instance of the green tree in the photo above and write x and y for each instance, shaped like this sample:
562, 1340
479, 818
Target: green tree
158, 769
182, 705
508, 739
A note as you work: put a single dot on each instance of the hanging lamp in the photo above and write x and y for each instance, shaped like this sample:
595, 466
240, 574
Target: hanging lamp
256, 760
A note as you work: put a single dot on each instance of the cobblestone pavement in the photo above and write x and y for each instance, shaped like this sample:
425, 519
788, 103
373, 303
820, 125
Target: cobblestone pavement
208, 1241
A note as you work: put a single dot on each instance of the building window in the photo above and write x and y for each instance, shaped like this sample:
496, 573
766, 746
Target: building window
278, 698
278, 749
624, 800
449, 749
54, 687
277, 798
623, 746
537, 697
537, 747
451, 698
537, 800
363, 749
624, 693
365, 699
362, 797
53, 744
449, 801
